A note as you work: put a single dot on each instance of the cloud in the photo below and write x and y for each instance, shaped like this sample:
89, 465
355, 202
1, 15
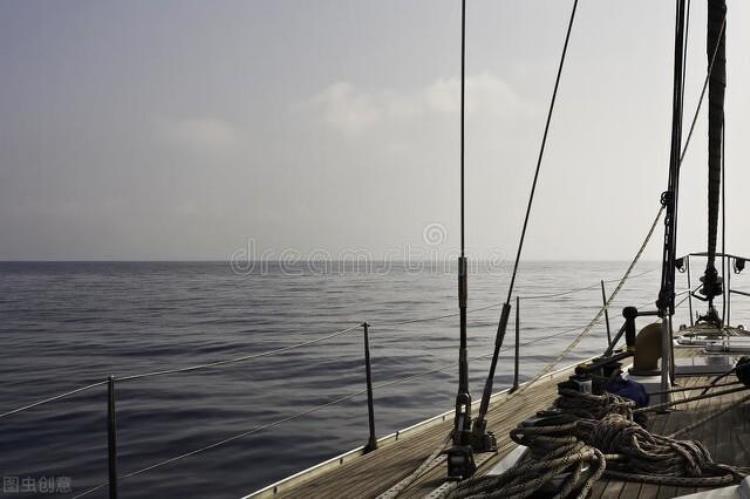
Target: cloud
346, 108
201, 134
484, 94
351, 110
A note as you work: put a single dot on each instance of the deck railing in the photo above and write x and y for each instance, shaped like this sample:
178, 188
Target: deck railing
112, 382
732, 264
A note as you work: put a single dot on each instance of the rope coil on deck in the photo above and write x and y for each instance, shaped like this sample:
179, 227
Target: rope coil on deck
589, 436
592, 406
554, 450
652, 458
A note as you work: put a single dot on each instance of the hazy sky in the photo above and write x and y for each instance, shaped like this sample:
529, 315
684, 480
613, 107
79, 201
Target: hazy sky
182, 129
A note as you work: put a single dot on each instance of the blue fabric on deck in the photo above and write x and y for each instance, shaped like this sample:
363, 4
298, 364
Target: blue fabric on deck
629, 389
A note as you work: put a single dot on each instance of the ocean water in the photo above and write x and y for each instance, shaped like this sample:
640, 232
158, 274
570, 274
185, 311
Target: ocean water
66, 325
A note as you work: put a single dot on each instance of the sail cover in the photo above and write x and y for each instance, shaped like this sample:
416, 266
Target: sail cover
715, 47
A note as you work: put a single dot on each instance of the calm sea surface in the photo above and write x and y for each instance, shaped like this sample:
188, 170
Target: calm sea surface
65, 325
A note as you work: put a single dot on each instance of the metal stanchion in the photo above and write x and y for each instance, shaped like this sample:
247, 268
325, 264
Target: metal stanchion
372, 443
112, 437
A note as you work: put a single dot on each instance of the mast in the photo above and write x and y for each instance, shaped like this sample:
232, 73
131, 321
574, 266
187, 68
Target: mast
715, 49
462, 423
461, 455
669, 198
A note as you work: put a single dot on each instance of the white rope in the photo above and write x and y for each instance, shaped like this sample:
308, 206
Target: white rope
604, 307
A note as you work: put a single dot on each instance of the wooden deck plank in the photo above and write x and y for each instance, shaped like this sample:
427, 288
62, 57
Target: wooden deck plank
712, 435
374, 473
501, 421
658, 426
611, 489
667, 491
371, 474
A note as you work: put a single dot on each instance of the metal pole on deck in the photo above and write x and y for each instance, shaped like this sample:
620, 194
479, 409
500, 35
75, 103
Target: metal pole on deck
672, 365
372, 443
667, 357
669, 200
517, 345
606, 314
112, 437
690, 292
728, 286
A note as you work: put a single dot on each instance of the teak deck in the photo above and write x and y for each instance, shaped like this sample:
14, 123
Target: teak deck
357, 475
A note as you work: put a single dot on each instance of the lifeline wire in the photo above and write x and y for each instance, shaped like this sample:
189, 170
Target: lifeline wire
236, 359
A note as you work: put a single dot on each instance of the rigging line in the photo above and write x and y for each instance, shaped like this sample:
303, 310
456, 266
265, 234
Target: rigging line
562, 293
227, 440
724, 267
434, 318
495, 305
446, 367
136, 376
677, 305
297, 416
685, 45
636, 276
463, 77
541, 152
685, 49
480, 422
53, 398
703, 91
236, 359
599, 314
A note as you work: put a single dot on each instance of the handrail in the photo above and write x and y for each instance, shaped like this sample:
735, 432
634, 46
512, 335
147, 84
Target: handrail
248, 357
577, 290
236, 359
437, 317
52, 399
225, 441
335, 401
114, 476
728, 255
178, 370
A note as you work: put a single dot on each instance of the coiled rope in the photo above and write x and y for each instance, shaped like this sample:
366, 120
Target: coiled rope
591, 406
554, 449
589, 436
652, 458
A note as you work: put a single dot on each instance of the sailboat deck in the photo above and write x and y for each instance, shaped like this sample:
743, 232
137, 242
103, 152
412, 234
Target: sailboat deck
726, 436
372, 474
